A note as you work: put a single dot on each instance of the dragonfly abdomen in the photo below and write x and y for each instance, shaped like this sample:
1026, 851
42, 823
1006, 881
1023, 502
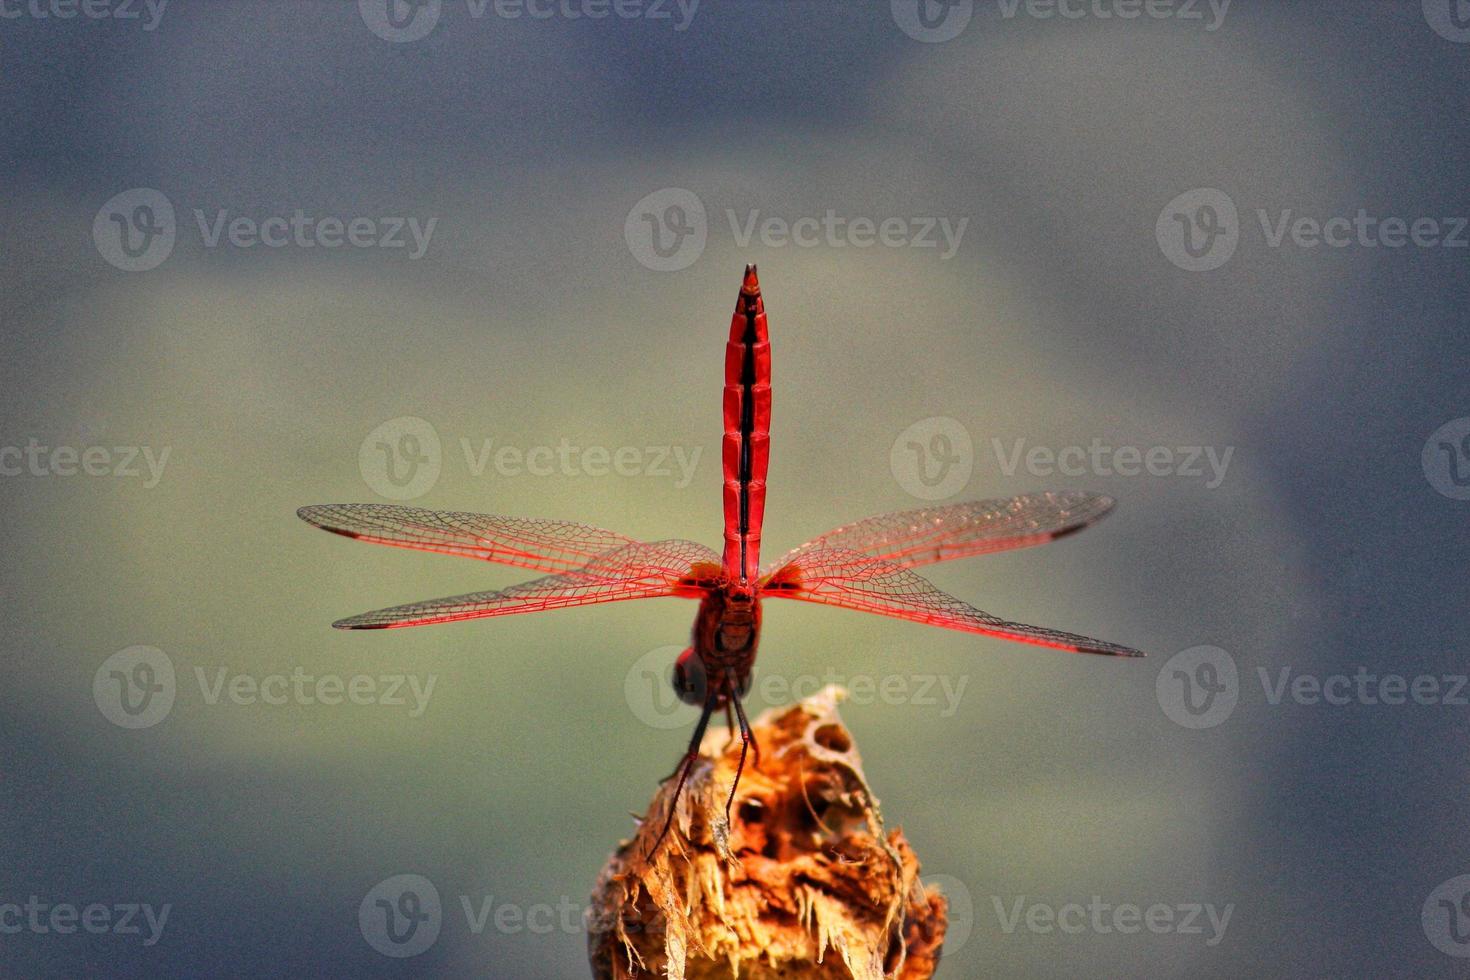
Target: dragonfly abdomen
747, 439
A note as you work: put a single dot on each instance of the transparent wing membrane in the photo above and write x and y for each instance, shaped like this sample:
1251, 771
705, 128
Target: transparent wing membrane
542, 546
853, 580
919, 537
634, 571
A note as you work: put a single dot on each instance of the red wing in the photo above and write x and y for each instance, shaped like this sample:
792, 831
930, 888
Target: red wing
852, 580
636, 571
920, 537
542, 546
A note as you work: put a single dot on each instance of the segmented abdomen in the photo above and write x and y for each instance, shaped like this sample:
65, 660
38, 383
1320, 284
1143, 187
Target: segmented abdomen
746, 447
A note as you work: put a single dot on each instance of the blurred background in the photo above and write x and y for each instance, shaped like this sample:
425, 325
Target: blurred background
1208, 259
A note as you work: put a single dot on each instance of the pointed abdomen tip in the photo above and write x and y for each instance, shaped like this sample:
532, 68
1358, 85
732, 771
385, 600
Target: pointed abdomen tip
752, 284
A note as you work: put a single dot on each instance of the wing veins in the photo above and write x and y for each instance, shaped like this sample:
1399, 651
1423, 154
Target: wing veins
852, 580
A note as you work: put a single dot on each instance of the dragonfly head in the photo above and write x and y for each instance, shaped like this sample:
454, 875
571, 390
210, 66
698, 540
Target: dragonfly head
691, 680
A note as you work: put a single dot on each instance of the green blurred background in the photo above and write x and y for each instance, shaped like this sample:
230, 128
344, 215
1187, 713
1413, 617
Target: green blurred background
534, 316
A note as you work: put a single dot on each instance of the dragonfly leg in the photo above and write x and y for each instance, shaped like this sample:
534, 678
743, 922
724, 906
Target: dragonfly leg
730, 724
744, 748
748, 734
678, 768
746, 741
734, 734
683, 771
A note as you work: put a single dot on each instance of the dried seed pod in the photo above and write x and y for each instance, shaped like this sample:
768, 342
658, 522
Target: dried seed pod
803, 883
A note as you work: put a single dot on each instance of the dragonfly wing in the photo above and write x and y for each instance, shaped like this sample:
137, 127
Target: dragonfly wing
635, 571
930, 534
542, 546
852, 580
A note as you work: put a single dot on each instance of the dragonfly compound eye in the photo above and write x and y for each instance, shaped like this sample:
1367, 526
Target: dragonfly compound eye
691, 681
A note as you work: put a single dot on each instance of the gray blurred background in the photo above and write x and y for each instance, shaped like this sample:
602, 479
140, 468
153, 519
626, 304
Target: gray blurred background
1129, 272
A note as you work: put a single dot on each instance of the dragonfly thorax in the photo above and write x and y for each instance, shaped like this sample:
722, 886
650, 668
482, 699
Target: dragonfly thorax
739, 619
725, 636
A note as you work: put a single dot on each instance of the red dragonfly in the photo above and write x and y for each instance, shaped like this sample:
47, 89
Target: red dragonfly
867, 565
